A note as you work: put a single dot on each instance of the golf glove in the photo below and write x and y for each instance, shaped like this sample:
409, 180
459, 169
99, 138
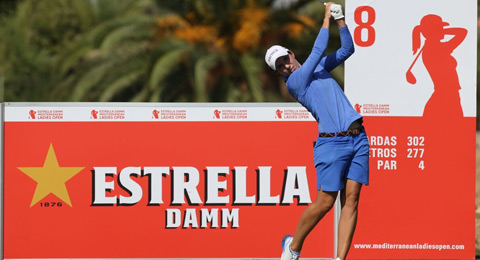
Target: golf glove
336, 11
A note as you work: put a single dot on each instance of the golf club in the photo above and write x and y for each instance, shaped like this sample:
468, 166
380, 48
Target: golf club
410, 77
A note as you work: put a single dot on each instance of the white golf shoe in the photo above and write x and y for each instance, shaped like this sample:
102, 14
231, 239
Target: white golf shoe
287, 253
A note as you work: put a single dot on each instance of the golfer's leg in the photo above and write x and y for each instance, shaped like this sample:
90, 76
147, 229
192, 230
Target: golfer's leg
349, 198
311, 216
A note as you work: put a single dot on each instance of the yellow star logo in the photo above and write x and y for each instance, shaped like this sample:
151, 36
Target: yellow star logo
51, 178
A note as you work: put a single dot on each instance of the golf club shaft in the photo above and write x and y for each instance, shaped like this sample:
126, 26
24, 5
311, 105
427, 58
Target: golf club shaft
416, 58
322, 2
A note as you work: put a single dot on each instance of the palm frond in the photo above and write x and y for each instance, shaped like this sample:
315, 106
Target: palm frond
85, 12
142, 95
120, 84
88, 81
202, 70
253, 69
136, 31
165, 64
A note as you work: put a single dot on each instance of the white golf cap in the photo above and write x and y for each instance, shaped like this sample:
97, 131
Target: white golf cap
273, 53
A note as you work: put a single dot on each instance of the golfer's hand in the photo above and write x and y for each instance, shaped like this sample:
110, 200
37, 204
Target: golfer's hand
336, 11
328, 14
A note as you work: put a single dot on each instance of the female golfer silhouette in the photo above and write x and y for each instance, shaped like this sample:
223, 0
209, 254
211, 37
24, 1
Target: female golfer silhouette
440, 64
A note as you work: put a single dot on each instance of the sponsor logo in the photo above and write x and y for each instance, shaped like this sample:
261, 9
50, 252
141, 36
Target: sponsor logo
109, 114
155, 114
292, 114
216, 114
186, 192
358, 108
46, 114
271, 55
169, 114
373, 109
230, 114
51, 178
278, 113
32, 114
94, 114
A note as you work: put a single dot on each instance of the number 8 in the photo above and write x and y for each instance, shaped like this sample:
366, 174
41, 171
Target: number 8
357, 35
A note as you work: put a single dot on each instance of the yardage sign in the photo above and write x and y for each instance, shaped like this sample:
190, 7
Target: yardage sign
413, 77
408, 54
157, 181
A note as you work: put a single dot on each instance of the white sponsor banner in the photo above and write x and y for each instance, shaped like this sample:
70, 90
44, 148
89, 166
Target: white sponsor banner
385, 77
102, 112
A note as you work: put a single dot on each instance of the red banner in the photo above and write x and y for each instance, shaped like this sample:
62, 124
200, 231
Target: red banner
413, 78
157, 189
421, 199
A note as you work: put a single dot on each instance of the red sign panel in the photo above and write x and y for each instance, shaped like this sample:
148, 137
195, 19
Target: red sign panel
413, 78
102, 189
421, 198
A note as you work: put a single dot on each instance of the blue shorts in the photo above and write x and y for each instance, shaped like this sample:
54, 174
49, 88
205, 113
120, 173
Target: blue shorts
340, 158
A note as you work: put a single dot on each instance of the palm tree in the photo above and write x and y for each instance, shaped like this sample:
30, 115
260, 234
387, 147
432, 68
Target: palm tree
226, 42
199, 51
36, 45
24, 56
111, 57
141, 50
209, 55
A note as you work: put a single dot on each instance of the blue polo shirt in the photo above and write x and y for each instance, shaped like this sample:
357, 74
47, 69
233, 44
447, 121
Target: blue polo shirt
314, 87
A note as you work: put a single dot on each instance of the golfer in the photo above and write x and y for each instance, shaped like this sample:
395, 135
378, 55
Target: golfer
342, 150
